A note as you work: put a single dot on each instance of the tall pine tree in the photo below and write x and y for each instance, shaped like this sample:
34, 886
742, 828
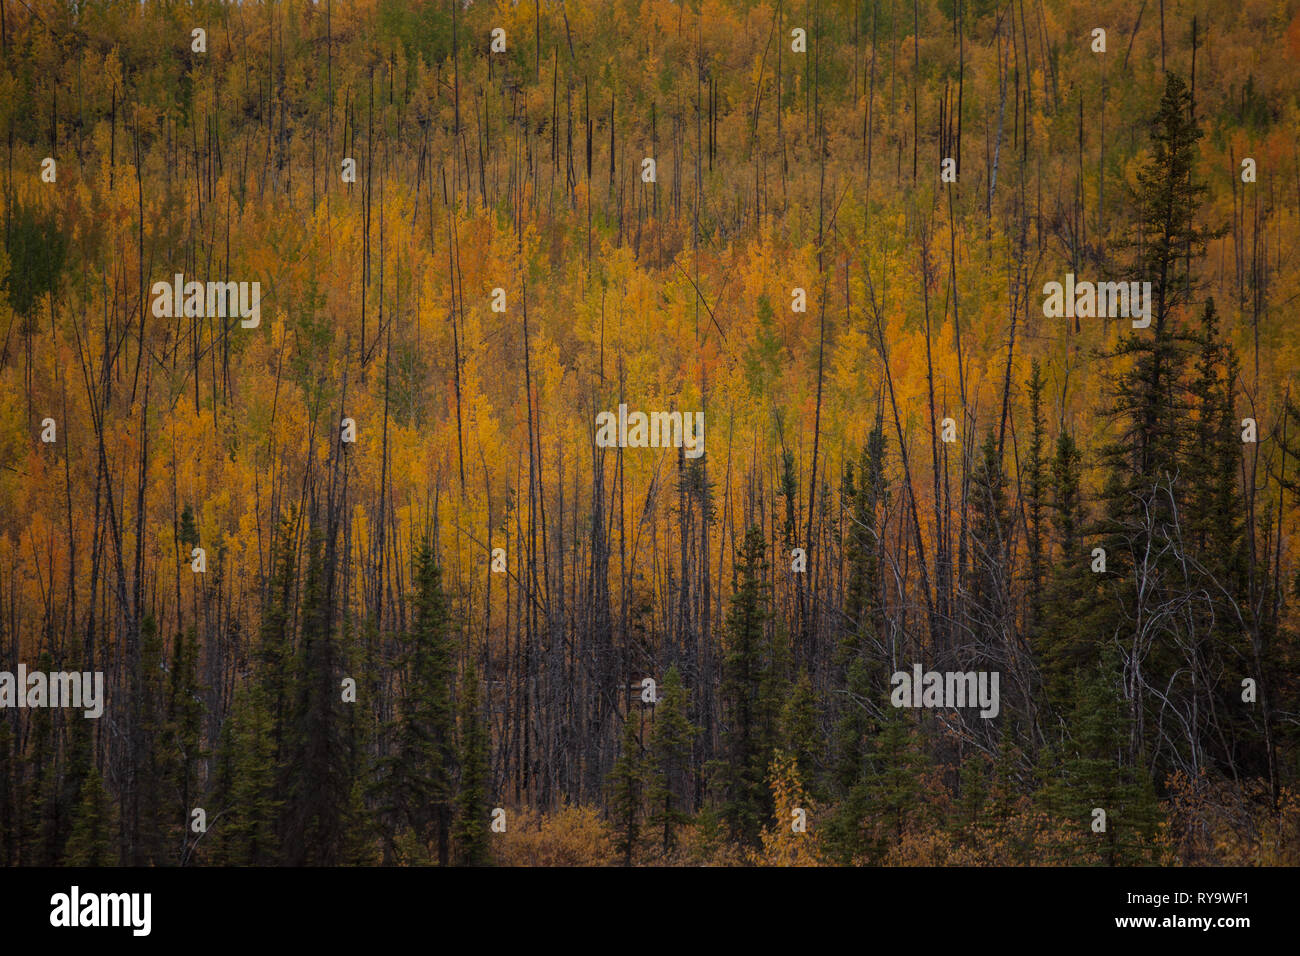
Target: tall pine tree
471, 826
747, 689
671, 743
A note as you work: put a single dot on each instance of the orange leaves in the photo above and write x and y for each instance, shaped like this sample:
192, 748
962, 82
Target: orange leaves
572, 836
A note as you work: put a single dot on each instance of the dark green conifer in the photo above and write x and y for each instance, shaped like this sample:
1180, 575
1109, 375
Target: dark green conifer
471, 826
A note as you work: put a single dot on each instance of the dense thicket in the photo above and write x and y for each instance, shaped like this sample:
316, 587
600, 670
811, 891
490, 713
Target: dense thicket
459, 610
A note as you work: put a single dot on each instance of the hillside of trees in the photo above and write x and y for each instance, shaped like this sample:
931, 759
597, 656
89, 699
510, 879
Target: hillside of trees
366, 590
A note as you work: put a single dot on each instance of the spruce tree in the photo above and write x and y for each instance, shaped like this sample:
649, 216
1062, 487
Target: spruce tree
78, 762
360, 829
626, 784
671, 742
1069, 635
419, 785
1214, 536
320, 775
1216, 504
93, 826
471, 826
247, 792
1147, 403
747, 684
892, 784
1096, 774
989, 584
860, 667
184, 752
1146, 489
846, 835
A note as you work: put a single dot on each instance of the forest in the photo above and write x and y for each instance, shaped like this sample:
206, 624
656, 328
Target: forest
368, 574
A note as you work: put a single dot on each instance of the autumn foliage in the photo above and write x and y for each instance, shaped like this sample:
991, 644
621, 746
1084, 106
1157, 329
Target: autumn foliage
474, 531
